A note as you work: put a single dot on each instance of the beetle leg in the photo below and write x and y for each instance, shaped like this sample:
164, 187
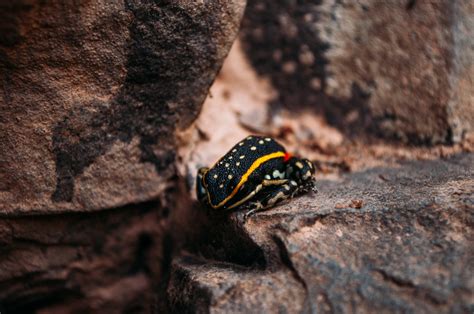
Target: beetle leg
255, 207
274, 182
265, 183
307, 186
271, 197
249, 196
201, 190
304, 187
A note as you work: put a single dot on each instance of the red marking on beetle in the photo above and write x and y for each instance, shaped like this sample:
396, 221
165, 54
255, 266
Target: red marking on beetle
287, 157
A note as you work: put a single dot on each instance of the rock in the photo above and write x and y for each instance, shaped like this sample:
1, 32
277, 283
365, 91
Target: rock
91, 97
382, 66
380, 240
92, 94
199, 287
109, 261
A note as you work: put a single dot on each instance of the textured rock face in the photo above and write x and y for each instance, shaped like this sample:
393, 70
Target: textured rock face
384, 65
381, 240
91, 95
109, 261
93, 92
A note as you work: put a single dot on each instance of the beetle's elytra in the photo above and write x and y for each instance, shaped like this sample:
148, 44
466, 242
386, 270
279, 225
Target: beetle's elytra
256, 174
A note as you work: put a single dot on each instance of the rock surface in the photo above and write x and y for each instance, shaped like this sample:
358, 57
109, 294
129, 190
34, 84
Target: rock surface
393, 239
83, 262
92, 94
372, 64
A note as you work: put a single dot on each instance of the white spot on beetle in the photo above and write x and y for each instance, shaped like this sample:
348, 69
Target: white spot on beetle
229, 176
237, 163
253, 148
227, 165
268, 177
215, 176
278, 174
307, 175
293, 183
241, 143
230, 157
287, 187
299, 165
260, 142
249, 138
268, 139
221, 186
234, 150
242, 157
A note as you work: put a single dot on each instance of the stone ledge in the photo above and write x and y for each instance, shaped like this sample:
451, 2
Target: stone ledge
385, 239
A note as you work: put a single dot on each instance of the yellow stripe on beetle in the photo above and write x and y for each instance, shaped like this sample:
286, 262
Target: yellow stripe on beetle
246, 175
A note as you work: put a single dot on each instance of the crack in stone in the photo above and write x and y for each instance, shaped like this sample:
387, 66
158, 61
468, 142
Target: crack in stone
403, 283
286, 261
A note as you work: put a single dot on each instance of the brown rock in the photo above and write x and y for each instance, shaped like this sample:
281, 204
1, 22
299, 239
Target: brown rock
198, 287
402, 67
408, 249
93, 92
107, 261
91, 96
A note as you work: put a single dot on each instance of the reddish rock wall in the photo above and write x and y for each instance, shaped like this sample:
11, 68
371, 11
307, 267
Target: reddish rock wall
92, 94
401, 68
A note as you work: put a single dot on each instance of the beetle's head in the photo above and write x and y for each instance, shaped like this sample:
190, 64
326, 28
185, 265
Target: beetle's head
201, 189
303, 169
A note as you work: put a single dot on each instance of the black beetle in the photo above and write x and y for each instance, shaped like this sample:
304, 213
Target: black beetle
255, 174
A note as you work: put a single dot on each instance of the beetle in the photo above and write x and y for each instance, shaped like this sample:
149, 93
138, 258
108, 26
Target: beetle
255, 174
